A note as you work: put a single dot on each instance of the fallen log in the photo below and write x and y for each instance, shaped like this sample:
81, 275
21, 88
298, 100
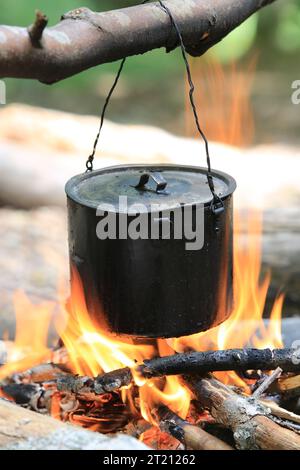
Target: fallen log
84, 38
186, 363
191, 436
249, 420
22, 429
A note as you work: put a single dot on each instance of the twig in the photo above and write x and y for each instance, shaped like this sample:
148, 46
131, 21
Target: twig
35, 30
267, 382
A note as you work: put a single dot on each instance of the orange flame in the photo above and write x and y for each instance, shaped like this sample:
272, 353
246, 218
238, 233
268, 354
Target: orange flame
30, 344
93, 352
223, 95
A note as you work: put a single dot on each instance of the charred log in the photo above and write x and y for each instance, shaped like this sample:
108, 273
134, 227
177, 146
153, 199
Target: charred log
22, 394
186, 363
211, 361
112, 380
102, 384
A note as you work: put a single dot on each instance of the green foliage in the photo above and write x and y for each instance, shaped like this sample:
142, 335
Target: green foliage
288, 30
238, 42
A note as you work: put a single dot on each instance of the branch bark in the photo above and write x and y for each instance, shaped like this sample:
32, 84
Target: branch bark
84, 38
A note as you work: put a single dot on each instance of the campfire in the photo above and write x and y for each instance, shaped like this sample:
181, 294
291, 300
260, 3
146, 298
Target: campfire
203, 391
232, 386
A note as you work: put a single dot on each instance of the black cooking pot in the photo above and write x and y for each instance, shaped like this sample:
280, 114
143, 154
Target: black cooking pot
163, 284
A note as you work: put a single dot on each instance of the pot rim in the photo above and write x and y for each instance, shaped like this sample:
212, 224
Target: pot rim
75, 180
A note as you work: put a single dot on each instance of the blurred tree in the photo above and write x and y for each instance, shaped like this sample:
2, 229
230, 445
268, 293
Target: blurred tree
287, 37
237, 43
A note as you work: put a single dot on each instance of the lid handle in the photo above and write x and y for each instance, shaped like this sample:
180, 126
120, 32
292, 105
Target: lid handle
159, 180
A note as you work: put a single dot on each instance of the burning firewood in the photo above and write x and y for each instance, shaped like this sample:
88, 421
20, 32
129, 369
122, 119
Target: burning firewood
191, 436
94, 402
102, 384
249, 420
211, 361
186, 363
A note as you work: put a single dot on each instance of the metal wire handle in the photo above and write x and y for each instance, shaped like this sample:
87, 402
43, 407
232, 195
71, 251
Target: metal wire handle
217, 205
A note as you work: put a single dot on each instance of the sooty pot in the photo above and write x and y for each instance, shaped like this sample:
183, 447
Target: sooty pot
158, 261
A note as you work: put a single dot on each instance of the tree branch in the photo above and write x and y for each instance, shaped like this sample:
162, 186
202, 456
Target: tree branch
36, 30
84, 39
185, 363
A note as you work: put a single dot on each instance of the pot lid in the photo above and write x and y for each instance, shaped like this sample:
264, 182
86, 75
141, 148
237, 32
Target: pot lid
147, 185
